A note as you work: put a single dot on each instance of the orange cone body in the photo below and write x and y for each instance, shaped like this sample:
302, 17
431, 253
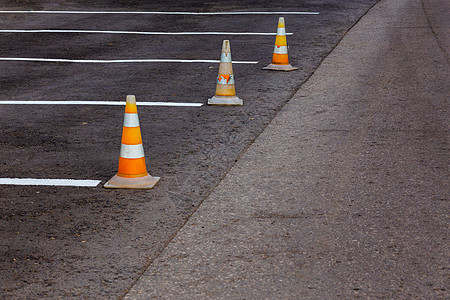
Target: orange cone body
225, 90
132, 172
280, 60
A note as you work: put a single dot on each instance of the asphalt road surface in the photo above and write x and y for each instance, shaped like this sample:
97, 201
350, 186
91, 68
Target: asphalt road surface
59, 242
345, 194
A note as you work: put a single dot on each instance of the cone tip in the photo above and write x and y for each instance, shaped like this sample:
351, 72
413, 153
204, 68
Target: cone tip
281, 21
131, 99
226, 46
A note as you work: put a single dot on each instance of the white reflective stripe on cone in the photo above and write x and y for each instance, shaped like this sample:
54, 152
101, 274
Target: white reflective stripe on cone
281, 31
131, 151
225, 79
280, 49
131, 120
225, 57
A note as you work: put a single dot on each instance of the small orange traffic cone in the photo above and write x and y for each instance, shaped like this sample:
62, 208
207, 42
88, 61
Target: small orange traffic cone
225, 91
132, 172
280, 60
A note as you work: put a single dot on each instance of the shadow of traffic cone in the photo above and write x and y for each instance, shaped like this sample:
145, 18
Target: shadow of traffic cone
132, 172
280, 60
225, 91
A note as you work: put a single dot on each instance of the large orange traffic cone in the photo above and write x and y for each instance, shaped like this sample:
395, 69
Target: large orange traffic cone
132, 172
280, 60
225, 91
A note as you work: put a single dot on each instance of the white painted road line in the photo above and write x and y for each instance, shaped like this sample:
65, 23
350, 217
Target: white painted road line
61, 60
99, 103
50, 182
160, 12
134, 32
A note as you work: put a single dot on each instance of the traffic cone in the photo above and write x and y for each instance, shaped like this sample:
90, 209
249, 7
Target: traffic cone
280, 60
132, 172
225, 91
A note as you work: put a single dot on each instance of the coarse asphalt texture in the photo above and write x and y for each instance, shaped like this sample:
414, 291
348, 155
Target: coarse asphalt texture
95, 243
60, 242
345, 194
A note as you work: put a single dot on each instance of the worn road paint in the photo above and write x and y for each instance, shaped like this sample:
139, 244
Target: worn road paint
49, 182
99, 103
119, 60
160, 12
133, 32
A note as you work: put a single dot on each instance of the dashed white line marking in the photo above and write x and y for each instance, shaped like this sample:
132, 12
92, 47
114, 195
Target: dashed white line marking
109, 61
133, 32
161, 12
55, 102
49, 182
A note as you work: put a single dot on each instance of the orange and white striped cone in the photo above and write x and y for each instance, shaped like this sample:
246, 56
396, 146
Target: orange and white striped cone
225, 91
132, 172
280, 60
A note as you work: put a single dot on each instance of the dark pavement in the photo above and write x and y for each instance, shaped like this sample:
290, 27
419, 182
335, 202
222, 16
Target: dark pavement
343, 195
